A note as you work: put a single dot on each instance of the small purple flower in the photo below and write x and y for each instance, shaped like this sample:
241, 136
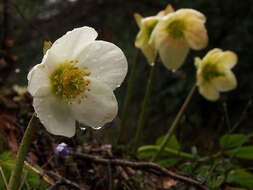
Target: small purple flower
62, 150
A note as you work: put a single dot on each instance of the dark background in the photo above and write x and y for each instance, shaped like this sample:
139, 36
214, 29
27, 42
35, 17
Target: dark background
229, 25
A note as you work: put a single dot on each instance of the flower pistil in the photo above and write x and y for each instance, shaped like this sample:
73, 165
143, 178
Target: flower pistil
176, 29
68, 82
210, 71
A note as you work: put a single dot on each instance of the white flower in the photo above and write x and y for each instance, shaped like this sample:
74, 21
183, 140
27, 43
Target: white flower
147, 26
176, 33
75, 81
214, 73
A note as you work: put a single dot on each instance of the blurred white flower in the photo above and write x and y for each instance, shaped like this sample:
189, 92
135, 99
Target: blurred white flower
176, 33
214, 73
75, 81
21, 91
147, 26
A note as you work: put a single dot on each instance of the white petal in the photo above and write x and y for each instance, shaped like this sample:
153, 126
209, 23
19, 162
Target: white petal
149, 52
143, 37
99, 108
32, 70
37, 79
224, 59
138, 19
212, 53
74, 41
227, 60
54, 115
70, 45
195, 34
226, 82
189, 13
197, 62
106, 62
209, 92
173, 53
160, 31
141, 42
167, 10
51, 60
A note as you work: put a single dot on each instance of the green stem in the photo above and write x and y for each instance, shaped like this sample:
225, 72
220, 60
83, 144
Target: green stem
167, 151
130, 85
143, 114
175, 123
228, 123
242, 117
22, 151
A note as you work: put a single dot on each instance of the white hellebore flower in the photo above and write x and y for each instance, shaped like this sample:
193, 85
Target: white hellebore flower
146, 26
75, 81
214, 73
176, 33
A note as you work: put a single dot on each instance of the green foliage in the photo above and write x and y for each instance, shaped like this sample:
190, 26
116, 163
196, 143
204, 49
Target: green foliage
7, 163
215, 181
245, 152
168, 162
241, 177
232, 141
172, 148
172, 143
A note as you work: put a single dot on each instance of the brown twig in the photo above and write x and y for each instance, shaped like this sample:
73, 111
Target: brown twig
148, 166
62, 181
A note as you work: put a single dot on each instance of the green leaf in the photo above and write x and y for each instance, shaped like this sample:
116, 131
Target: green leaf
203, 170
245, 152
241, 177
172, 142
187, 168
168, 163
215, 181
232, 141
7, 162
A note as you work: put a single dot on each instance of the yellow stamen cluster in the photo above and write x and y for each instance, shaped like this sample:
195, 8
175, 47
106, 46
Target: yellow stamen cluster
68, 82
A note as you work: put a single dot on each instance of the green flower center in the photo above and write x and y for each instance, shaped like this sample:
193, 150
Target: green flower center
210, 71
68, 82
176, 29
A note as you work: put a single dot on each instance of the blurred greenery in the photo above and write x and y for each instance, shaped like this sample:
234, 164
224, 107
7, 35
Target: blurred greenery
32, 180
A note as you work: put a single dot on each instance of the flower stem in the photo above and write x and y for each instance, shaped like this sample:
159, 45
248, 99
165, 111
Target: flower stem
227, 119
175, 123
22, 151
167, 150
243, 115
130, 85
143, 114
